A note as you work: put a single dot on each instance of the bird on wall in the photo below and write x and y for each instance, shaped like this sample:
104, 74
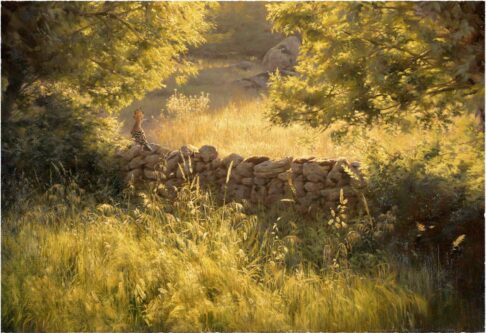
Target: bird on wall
138, 135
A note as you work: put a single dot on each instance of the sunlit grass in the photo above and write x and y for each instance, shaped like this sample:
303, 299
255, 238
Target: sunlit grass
77, 267
243, 128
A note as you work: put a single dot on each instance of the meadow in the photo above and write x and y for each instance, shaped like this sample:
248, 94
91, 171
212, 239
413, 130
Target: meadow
73, 264
84, 251
73, 260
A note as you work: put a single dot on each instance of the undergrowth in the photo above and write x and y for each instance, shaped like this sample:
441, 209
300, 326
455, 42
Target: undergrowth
72, 263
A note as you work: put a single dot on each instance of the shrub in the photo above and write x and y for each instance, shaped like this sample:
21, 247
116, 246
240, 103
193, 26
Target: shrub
434, 189
179, 104
52, 138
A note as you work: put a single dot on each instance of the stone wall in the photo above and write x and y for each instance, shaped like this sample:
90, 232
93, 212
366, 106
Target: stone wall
309, 183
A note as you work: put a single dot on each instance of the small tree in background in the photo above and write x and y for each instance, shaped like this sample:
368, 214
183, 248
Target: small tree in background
363, 63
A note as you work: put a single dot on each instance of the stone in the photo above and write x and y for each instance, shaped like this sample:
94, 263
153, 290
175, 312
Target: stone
313, 187
188, 150
131, 152
235, 158
335, 175
299, 187
174, 182
216, 163
312, 196
273, 198
244, 169
258, 194
173, 154
319, 172
133, 175
332, 194
256, 159
356, 178
275, 186
282, 56
260, 181
152, 160
242, 192
236, 177
315, 178
163, 151
302, 160
270, 169
172, 163
221, 173
285, 176
296, 167
247, 181
196, 157
208, 153
184, 170
137, 162
154, 175
244, 65
325, 162
200, 167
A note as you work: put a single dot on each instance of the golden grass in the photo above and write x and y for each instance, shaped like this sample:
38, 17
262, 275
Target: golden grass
242, 128
88, 267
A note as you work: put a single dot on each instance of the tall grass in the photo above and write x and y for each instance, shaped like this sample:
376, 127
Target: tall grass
70, 264
242, 128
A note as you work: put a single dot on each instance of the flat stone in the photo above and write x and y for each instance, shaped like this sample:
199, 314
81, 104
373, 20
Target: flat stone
256, 159
269, 169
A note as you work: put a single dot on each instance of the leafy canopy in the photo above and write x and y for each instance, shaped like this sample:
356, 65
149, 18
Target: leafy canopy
364, 62
101, 54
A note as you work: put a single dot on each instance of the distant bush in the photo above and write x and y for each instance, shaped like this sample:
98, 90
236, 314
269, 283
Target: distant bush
179, 104
52, 138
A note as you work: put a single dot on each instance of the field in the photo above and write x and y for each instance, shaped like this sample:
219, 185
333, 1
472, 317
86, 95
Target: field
83, 250
136, 262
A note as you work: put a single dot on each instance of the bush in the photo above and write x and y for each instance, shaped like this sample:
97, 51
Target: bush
434, 189
52, 139
179, 104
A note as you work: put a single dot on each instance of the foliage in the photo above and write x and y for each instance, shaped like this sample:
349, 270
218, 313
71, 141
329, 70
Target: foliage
363, 63
179, 104
100, 54
433, 194
74, 264
240, 30
52, 139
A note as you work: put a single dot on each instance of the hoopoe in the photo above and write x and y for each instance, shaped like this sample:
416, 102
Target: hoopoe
137, 132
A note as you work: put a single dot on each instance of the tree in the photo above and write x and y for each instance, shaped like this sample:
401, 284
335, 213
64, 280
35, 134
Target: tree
68, 67
363, 63
100, 54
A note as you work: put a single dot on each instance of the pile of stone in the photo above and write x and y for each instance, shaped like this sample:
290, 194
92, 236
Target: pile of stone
308, 183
